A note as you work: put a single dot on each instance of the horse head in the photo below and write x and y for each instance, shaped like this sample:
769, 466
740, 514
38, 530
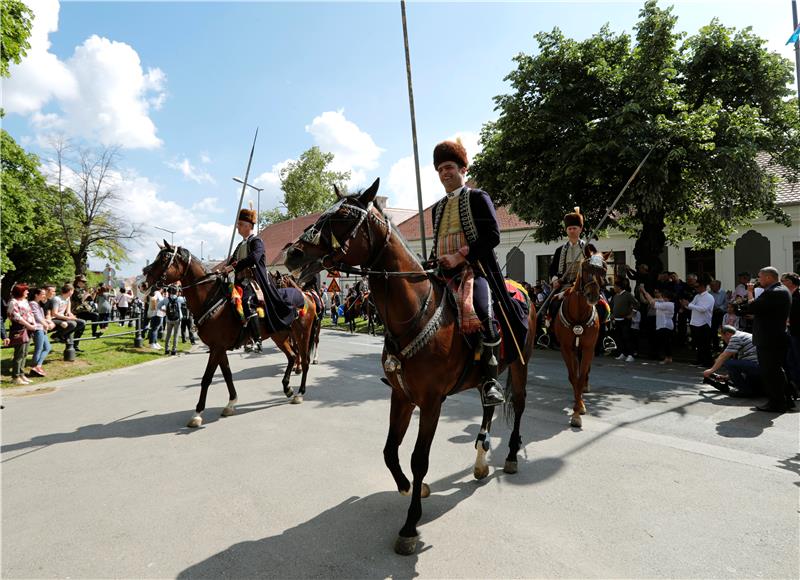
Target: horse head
343, 234
593, 272
169, 266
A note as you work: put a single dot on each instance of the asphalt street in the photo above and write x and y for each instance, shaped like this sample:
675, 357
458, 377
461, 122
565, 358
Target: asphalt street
668, 478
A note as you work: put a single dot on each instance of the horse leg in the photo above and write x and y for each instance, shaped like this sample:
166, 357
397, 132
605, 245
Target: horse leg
518, 376
208, 375
481, 468
429, 417
399, 418
304, 345
587, 355
570, 355
285, 347
230, 408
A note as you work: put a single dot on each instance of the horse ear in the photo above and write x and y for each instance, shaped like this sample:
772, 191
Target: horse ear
160, 247
337, 192
166, 244
369, 195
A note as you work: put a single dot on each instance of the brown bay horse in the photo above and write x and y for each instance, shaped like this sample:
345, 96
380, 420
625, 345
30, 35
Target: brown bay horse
577, 327
425, 357
219, 326
288, 281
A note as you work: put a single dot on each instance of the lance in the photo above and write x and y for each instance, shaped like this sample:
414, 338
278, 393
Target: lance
241, 197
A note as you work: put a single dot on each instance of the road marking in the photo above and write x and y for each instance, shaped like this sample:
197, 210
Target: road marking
684, 383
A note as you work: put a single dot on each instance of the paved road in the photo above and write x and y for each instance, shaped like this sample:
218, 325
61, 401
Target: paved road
668, 478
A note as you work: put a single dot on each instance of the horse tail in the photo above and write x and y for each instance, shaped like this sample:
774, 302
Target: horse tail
508, 405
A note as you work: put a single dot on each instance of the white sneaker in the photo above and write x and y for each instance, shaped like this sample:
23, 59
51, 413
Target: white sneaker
621, 357
155, 346
629, 358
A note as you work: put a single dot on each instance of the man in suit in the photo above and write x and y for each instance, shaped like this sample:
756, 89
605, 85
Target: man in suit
771, 311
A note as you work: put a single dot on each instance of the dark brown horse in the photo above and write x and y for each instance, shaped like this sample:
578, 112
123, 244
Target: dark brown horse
425, 357
218, 325
577, 327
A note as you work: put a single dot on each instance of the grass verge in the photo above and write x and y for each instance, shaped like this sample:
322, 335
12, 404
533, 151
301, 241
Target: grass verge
101, 355
361, 326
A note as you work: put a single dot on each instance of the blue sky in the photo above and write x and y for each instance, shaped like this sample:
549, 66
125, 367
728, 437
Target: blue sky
183, 85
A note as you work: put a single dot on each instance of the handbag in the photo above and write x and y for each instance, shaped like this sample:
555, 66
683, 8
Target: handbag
18, 335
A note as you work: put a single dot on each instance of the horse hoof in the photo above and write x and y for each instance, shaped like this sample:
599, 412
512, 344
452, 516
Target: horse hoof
582, 410
480, 472
228, 411
297, 371
405, 546
576, 421
510, 467
297, 399
405, 492
426, 491
195, 422
288, 391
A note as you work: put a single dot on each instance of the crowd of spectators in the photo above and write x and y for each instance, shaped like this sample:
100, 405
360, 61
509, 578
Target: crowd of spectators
43, 315
746, 338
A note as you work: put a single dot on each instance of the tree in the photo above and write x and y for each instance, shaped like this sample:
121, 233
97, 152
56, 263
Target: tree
307, 186
33, 249
16, 23
582, 115
87, 204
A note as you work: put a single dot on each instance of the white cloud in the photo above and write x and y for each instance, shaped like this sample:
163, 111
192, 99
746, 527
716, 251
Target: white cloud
205, 158
207, 205
191, 172
102, 91
402, 181
270, 181
353, 149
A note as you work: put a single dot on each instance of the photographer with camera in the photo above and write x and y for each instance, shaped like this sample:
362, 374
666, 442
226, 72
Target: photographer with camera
770, 312
740, 359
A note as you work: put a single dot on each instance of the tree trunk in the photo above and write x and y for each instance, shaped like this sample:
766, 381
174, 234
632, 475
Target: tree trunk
651, 243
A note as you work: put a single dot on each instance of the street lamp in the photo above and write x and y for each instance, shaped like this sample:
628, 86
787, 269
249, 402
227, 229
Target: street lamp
170, 232
259, 190
201, 249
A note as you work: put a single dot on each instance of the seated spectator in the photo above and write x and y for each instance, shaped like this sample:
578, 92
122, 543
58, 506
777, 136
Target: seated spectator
23, 325
664, 308
37, 298
69, 325
740, 359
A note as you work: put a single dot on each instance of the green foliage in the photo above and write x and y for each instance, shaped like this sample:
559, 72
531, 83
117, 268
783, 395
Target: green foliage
16, 29
307, 186
581, 115
34, 249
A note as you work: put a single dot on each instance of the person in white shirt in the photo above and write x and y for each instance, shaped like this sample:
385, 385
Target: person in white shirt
154, 316
702, 308
664, 308
123, 303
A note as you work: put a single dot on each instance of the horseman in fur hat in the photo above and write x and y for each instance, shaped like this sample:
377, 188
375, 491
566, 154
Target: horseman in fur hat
566, 261
465, 233
249, 263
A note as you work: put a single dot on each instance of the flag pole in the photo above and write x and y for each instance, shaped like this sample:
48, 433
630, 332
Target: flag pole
414, 132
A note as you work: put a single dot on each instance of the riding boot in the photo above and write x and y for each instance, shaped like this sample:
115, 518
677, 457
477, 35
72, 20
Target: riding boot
491, 390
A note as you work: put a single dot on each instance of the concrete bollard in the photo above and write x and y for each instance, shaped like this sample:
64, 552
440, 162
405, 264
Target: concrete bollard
137, 340
69, 350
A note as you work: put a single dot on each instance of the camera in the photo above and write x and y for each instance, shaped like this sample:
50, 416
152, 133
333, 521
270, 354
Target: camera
722, 384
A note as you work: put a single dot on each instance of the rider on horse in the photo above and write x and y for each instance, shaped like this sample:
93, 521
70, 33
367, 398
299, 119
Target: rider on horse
249, 263
465, 232
566, 260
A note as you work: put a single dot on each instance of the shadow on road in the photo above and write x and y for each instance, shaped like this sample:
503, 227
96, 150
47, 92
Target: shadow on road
353, 539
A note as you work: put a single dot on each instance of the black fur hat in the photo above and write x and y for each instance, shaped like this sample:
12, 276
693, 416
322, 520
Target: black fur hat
574, 219
450, 151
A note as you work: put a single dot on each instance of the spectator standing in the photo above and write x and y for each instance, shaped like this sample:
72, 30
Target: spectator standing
154, 316
792, 282
702, 309
172, 316
771, 311
187, 322
123, 304
740, 359
70, 325
23, 325
720, 307
326, 301
103, 301
623, 304
336, 302
731, 318
740, 292
37, 298
661, 303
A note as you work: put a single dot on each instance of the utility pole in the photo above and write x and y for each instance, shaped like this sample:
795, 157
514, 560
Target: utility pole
796, 50
414, 131
170, 232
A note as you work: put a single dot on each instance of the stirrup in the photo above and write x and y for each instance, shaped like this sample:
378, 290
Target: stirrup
493, 388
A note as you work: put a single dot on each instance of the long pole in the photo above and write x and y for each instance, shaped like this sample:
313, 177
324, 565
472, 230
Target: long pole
796, 50
414, 131
241, 197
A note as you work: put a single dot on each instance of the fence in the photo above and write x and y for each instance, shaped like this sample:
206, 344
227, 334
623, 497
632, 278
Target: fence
69, 350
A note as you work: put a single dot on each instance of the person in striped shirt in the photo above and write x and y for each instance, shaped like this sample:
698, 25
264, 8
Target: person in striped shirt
740, 360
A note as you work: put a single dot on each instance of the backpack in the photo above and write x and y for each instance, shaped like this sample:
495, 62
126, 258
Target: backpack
173, 309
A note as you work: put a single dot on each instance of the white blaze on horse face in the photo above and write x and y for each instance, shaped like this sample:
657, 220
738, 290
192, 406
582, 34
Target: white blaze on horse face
596, 260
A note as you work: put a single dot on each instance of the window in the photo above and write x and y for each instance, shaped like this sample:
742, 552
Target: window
700, 262
543, 267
